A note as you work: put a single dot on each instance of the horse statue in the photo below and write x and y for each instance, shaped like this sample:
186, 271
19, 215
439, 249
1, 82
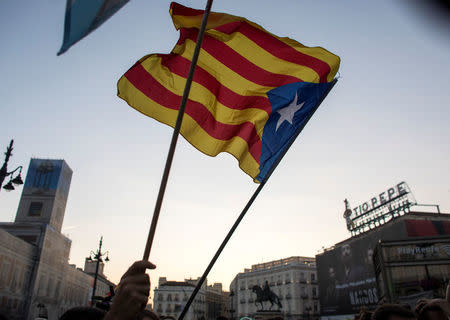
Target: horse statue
265, 295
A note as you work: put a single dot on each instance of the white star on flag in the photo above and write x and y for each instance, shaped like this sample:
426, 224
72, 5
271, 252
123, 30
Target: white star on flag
287, 113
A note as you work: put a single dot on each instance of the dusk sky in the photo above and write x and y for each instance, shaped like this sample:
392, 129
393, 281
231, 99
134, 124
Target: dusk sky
386, 121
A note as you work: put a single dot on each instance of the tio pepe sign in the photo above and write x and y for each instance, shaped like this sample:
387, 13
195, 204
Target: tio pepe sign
383, 198
379, 209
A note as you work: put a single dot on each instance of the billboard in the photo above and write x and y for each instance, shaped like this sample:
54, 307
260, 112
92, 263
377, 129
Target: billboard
48, 176
43, 174
417, 251
346, 274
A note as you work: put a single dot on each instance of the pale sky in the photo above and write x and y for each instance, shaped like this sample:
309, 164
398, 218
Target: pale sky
386, 121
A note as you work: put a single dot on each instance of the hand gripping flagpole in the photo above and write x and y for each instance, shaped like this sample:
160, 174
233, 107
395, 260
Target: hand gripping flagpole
247, 206
176, 131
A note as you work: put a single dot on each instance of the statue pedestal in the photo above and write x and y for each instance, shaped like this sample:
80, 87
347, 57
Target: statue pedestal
268, 315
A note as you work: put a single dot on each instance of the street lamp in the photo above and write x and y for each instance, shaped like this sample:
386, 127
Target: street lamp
97, 257
4, 171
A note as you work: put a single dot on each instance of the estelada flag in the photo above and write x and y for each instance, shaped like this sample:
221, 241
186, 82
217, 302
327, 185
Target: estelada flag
251, 90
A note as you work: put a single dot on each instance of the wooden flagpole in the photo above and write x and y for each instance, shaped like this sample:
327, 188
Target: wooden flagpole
247, 206
176, 131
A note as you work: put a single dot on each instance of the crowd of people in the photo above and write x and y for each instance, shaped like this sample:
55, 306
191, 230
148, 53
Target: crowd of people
133, 292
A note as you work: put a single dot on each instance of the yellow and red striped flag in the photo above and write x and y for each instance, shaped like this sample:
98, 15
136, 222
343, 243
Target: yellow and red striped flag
251, 90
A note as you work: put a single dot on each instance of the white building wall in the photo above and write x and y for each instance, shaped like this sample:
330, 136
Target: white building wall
170, 300
293, 280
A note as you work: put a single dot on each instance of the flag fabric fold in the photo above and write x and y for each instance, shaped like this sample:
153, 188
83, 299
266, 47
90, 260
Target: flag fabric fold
84, 16
251, 90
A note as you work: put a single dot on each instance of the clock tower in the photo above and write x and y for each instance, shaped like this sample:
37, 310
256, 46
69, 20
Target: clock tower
45, 193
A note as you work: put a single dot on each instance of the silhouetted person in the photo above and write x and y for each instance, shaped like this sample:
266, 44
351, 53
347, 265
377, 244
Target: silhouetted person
392, 312
85, 313
434, 309
147, 315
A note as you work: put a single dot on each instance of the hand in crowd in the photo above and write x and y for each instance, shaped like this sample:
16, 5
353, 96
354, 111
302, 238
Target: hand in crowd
441, 306
132, 294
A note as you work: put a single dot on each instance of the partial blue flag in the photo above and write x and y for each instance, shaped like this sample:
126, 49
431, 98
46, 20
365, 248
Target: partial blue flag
84, 16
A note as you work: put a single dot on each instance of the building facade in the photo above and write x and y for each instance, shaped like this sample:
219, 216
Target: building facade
347, 279
170, 297
35, 274
409, 270
217, 302
293, 280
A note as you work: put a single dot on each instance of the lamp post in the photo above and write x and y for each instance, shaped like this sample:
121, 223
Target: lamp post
97, 257
4, 171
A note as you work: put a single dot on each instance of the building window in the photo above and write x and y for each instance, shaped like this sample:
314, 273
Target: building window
160, 297
287, 278
169, 297
35, 209
314, 291
316, 307
313, 277
58, 286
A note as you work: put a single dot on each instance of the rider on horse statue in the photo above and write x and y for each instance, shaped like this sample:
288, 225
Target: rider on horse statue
266, 291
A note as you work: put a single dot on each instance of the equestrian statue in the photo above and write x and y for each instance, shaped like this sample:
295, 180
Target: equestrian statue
265, 294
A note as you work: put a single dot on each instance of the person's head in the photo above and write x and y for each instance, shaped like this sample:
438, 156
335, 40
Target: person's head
346, 253
369, 255
432, 313
331, 272
392, 312
148, 315
85, 313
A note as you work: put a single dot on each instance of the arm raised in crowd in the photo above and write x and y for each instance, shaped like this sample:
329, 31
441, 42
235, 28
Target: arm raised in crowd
132, 294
